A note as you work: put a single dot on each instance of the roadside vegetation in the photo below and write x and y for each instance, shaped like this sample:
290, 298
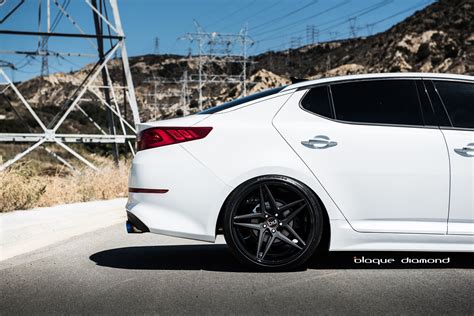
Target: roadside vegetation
26, 186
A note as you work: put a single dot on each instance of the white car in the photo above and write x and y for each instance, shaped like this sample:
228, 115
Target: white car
374, 162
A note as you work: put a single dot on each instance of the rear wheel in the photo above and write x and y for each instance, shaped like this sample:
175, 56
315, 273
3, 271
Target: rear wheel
273, 222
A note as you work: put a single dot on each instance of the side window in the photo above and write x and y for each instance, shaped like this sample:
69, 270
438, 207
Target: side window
378, 101
429, 116
441, 114
458, 99
317, 101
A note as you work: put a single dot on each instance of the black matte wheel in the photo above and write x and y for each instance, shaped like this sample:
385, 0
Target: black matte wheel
273, 222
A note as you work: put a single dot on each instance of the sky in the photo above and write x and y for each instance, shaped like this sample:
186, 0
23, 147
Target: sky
271, 25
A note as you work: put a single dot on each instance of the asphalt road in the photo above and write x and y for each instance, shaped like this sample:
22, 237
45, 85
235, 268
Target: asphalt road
110, 272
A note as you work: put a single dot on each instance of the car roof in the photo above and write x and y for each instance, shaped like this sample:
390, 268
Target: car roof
377, 76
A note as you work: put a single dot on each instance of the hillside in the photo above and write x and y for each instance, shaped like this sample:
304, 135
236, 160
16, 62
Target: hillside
439, 38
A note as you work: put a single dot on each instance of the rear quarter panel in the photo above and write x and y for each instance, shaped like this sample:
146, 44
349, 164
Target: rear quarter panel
244, 144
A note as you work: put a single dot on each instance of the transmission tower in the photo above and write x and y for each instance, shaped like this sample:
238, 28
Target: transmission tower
370, 28
333, 35
157, 46
353, 27
169, 89
184, 97
219, 48
312, 34
296, 42
44, 40
95, 87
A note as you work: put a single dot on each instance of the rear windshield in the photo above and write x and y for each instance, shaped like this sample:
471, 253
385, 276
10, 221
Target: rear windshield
236, 102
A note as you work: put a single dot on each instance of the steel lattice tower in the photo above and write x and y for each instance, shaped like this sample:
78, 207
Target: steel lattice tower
97, 85
215, 47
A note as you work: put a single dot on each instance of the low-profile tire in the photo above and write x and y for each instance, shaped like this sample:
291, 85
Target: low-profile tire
282, 235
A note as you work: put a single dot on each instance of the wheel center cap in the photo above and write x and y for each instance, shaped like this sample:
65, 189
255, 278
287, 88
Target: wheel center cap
272, 222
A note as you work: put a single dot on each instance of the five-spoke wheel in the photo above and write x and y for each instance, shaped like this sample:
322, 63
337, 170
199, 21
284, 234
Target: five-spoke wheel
273, 222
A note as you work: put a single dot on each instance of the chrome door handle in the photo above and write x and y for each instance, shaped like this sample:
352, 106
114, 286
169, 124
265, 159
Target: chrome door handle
319, 142
467, 150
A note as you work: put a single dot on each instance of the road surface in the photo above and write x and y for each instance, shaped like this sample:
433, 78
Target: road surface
108, 271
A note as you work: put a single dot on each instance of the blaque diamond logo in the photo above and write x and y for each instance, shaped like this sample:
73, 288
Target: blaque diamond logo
407, 260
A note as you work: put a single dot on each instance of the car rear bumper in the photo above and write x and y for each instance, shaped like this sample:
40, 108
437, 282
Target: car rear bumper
177, 195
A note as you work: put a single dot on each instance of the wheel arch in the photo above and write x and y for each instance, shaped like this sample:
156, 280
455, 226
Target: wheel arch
324, 243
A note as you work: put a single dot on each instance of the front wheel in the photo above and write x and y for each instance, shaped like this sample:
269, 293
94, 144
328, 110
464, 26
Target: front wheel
273, 222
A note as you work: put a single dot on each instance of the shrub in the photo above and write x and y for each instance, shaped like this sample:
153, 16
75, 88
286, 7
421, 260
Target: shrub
22, 188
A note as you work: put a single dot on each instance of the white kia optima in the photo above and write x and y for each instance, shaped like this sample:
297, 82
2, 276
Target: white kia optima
366, 162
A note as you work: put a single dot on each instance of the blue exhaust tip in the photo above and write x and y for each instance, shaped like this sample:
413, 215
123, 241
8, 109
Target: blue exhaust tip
134, 225
129, 227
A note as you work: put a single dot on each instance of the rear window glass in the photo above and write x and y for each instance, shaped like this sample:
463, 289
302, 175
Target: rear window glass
317, 101
239, 101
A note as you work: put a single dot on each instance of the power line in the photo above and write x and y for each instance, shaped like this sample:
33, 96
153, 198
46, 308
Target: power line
333, 35
231, 14
313, 2
264, 9
344, 18
372, 24
422, 3
305, 19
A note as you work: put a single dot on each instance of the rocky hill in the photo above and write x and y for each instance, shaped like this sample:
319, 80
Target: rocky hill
439, 38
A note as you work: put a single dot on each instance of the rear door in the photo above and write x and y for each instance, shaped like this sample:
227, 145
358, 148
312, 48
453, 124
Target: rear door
368, 145
457, 101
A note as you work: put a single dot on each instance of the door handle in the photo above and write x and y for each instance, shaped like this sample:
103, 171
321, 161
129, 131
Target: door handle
319, 142
467, 150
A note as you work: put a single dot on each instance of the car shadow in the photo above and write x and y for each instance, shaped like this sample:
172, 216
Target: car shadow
219, 258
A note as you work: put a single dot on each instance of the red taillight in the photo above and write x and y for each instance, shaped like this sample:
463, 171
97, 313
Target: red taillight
162, 136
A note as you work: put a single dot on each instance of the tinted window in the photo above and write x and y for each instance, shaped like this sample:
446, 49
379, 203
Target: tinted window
438, 107
427, 110
458, 98
317, 101
377, 101
236, 102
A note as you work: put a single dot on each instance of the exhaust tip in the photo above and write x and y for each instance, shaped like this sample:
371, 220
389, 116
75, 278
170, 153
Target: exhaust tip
129, 227
134, 225
132, 229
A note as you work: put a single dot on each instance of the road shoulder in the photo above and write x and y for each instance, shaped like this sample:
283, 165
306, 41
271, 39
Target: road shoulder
25, 231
